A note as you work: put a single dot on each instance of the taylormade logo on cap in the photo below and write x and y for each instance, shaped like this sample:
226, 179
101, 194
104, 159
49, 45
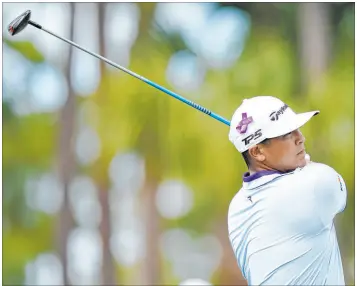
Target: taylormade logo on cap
262, 117
275, 114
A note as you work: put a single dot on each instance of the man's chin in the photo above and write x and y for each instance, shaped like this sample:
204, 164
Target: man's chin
302, 163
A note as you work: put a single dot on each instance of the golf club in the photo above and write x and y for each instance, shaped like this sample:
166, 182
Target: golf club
21, 22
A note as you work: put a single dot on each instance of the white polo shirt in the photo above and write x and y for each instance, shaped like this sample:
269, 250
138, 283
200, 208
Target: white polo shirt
281, 227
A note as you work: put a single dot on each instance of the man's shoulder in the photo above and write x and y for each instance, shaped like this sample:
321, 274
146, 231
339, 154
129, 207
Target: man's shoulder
319, 169
236, 200
321, 175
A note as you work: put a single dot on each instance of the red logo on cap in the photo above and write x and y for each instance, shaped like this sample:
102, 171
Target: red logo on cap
243, 124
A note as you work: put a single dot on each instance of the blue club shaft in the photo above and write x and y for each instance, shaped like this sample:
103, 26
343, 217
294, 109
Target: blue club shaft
175, 95
190, 103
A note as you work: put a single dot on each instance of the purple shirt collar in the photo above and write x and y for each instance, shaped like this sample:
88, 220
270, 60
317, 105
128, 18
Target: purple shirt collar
248, 178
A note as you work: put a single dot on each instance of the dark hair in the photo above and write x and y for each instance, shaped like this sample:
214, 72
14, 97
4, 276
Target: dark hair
246, 155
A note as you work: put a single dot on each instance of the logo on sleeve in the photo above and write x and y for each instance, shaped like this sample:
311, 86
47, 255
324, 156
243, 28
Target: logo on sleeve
339, 180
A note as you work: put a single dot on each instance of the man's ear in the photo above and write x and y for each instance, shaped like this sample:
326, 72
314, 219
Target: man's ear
256, 153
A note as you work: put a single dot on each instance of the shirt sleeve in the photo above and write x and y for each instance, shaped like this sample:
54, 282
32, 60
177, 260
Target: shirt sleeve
330, 192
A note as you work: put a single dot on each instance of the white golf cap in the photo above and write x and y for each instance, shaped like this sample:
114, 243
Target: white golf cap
262, 117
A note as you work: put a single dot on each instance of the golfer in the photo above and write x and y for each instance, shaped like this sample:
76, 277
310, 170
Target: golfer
280, 223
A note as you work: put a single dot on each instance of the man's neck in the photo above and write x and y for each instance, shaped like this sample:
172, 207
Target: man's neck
255, 169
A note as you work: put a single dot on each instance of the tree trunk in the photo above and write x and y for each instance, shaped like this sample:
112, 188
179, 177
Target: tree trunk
151, 218
66, 161
147, 10
148, 146
314, 42
108, 267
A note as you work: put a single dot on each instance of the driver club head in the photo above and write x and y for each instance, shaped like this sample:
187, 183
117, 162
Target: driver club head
17, 25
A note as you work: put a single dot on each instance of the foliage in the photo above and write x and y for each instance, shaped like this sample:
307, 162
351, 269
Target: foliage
27, 49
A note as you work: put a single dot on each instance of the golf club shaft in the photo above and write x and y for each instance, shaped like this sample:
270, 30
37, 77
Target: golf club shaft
175, 95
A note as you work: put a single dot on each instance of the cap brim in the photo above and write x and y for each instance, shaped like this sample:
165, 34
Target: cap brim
300, 120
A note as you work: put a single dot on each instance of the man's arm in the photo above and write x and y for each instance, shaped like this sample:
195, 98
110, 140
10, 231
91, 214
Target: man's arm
330, 192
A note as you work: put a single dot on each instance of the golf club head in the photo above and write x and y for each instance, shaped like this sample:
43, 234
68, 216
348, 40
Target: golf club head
17, 25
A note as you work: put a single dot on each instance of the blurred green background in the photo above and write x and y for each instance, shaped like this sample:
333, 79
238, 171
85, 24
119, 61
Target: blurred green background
107, 180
